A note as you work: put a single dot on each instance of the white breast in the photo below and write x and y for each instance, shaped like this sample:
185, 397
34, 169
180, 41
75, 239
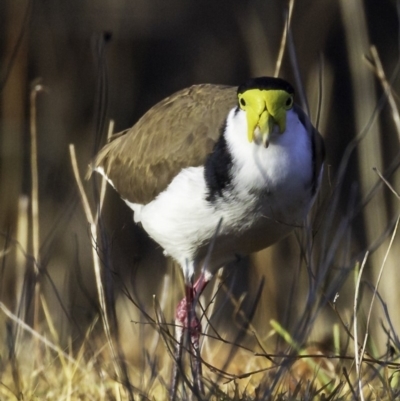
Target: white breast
271, 195
284, 166
180, 218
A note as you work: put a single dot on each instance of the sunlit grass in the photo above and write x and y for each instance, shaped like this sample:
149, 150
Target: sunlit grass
123, 350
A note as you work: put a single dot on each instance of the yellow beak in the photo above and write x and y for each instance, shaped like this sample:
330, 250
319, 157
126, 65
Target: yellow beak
264, 109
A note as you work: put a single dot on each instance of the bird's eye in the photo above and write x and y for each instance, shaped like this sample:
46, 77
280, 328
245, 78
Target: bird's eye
289, 102
242, 102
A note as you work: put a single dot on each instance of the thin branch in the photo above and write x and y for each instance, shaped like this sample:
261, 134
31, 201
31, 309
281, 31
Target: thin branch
386, 182
355, 321
380, 73
96, 262
35, 334
34, 174
377, 285
37, 88
284, 39
103, 185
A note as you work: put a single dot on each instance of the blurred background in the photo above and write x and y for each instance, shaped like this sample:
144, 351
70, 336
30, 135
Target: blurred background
101, 60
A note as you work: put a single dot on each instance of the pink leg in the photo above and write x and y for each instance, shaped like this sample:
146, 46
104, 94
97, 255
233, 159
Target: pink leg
201, 283
186, 319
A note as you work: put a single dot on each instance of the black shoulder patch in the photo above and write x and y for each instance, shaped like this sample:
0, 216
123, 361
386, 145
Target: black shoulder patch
217, 169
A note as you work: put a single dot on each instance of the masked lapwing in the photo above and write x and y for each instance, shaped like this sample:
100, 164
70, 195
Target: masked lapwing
213, 172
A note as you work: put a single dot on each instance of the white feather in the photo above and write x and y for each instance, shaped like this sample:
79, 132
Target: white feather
272, 195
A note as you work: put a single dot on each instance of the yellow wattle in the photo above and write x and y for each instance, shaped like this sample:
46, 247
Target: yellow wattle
252, 122
264, 109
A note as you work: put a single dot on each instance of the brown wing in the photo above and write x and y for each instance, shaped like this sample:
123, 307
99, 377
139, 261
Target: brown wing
178, 132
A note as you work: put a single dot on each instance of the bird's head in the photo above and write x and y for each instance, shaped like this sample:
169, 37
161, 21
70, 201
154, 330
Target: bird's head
265, 101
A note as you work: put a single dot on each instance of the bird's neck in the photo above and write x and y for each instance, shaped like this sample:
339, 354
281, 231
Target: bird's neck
255, 167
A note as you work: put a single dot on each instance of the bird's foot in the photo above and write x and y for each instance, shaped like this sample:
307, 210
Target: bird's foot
187, 323
186, 319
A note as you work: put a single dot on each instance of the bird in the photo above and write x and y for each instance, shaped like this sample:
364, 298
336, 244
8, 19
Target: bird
214, 172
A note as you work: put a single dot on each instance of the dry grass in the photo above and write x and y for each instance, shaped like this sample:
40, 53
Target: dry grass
337, 339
